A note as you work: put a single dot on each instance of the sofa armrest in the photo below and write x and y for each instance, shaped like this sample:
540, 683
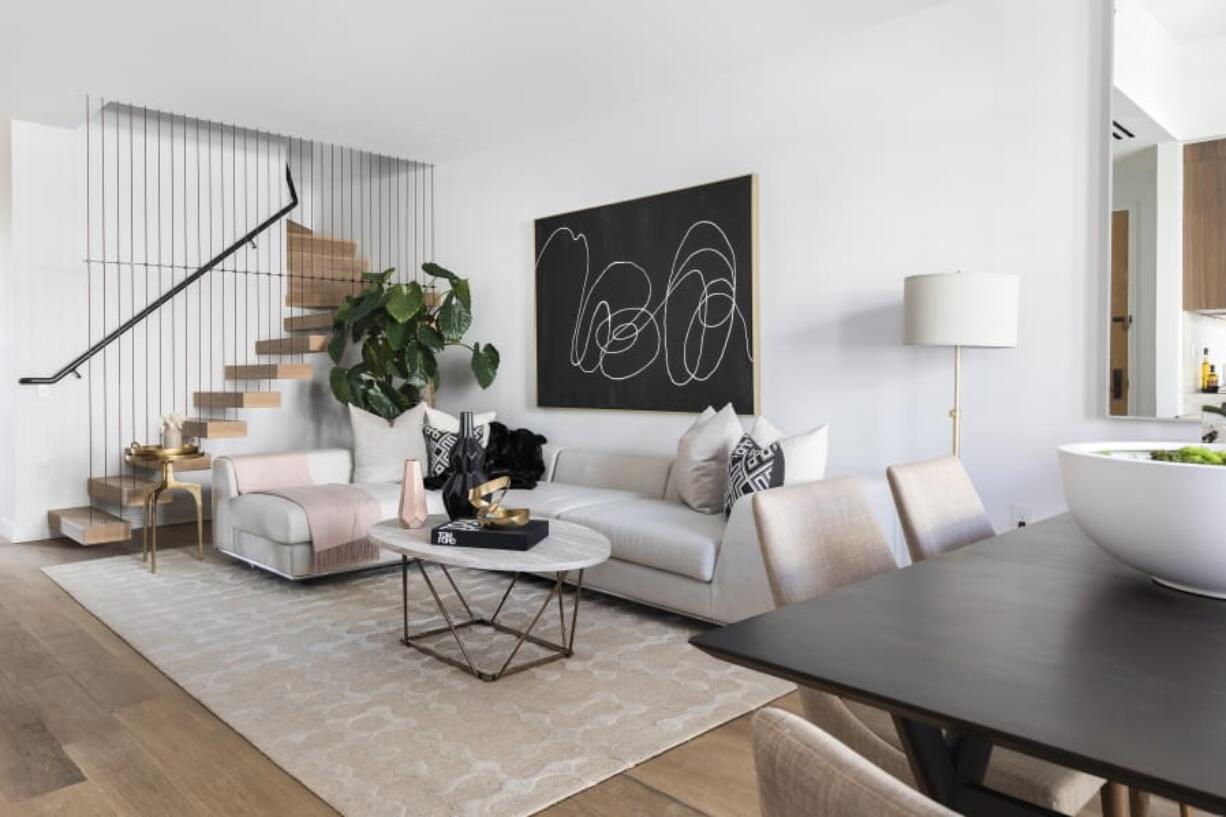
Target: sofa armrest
549, 453
224, 490
740, 588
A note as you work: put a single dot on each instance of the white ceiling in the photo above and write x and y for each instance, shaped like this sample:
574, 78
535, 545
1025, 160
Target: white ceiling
1190, 20
431, 80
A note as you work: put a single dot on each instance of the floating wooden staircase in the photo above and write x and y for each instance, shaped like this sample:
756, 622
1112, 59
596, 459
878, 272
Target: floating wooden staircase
322, 272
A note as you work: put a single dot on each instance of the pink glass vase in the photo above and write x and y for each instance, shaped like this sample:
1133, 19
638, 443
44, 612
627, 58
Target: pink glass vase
413, 511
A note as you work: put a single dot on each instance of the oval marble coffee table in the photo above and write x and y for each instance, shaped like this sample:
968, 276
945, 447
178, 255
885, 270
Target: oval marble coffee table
568, 548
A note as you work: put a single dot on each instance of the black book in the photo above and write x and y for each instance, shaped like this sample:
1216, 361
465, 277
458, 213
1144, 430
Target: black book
468, 533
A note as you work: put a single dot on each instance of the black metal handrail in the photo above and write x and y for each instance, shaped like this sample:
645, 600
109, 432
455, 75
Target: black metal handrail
71, 368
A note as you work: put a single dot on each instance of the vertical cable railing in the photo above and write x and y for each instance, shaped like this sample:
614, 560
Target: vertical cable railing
165, 196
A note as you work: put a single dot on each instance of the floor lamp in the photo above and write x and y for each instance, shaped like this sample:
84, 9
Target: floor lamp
960, 309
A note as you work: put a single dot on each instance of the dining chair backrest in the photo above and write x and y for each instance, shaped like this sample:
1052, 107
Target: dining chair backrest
802, 771
938, 506
818, 536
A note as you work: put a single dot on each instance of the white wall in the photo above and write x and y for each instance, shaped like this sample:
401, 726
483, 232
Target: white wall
1149, 66
7, 338
968, 136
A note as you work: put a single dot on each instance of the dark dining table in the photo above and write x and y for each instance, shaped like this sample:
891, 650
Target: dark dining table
1036, 640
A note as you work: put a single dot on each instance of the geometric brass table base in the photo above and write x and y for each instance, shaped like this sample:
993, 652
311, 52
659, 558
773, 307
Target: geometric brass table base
558, 650
149, 544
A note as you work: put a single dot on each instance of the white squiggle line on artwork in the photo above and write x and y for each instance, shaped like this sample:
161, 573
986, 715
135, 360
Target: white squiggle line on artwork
605, 335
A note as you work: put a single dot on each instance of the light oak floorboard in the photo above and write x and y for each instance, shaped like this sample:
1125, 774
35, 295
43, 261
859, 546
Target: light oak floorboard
107, 734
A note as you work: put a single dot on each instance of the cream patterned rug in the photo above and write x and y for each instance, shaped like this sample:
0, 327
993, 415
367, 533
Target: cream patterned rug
316, 677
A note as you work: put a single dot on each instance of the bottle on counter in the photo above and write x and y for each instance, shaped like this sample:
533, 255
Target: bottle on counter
1213, 385
1204, 371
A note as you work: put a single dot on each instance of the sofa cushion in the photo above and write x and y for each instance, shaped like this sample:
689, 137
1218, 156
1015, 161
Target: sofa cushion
657, 533
281, 520
641, 474
551, 499
381, 447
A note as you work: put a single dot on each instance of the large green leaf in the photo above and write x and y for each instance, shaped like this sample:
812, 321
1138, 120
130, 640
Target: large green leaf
435, 271
380, 403
378, 357
398, 334
379, 277
418, 362
339, 380
454, 318
485, 364
404, 302
429, 337
336, 345
344, 312
459, 287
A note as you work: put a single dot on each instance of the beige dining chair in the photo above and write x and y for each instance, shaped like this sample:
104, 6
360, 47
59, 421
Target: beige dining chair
802, 771
938, 506
820, 535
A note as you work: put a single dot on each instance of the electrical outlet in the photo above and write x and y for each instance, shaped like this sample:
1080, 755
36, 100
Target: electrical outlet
1021, 515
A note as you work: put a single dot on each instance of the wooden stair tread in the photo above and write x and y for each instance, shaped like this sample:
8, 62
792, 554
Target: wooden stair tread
304, 323
295, 344
236, 399
316, 265
88, 525
271, 371
206, 428
295, 228
125, 489
305, 292
321, 244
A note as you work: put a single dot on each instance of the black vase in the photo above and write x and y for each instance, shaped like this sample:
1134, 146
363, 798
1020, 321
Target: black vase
467, 467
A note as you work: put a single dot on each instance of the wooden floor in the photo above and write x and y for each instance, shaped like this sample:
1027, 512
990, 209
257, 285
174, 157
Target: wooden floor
90, 728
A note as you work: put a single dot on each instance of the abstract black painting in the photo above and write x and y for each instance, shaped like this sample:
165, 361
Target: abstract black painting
649, 304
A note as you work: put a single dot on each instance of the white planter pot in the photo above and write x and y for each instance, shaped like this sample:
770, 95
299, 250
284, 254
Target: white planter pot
1162, 518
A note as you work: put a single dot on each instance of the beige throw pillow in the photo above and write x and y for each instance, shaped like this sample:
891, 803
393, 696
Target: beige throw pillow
701, 467
380, 448
804, 454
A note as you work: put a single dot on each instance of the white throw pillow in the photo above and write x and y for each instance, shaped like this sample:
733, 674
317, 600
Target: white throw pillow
804, 454
380, 448
446, 422
701, 467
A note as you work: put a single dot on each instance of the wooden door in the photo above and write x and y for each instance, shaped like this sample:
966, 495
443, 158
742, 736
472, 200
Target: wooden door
1204, 213
1121, 318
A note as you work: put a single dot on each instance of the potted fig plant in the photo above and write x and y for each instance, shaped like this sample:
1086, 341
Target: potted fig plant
402, 330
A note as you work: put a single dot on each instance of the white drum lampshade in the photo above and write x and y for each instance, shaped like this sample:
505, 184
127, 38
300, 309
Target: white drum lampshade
960, 309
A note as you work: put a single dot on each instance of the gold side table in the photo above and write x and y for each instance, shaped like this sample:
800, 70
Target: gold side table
165, 459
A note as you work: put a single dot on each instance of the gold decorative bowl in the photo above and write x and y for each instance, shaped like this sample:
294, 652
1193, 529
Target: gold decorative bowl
154, 453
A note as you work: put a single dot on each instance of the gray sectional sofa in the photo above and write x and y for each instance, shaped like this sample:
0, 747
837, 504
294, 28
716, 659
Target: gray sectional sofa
664, 554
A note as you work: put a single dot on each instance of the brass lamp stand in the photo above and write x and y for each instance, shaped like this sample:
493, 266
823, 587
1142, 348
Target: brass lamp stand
165, 459
960, 309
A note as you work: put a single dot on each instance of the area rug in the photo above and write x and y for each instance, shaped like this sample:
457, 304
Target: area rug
315, 676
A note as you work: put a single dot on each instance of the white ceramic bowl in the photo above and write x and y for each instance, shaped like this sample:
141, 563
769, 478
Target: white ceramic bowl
1162, 518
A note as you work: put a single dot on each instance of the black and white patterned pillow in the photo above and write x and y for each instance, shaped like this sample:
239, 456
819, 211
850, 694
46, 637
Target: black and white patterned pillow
752, 467
439, 444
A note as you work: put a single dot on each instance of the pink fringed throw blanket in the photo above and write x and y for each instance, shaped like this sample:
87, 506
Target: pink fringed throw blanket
338, 515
